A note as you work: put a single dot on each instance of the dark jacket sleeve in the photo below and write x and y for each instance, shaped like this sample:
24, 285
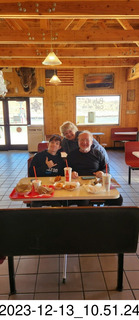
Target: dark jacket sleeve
64, 145
70, 158
40, 166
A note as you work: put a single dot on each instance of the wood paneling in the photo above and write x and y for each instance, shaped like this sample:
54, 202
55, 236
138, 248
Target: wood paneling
59, 102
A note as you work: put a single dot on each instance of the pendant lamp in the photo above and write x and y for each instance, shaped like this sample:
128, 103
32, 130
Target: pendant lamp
51, 59
55, 80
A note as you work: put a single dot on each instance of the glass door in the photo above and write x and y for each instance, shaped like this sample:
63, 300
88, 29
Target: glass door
2, 127
17, 111
14, 118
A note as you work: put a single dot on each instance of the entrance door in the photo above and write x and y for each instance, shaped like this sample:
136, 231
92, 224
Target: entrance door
14, 118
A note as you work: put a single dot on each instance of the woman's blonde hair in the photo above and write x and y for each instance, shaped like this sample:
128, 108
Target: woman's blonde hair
67, 125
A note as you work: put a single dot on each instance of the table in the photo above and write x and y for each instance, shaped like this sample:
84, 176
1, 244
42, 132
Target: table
132, 133
136, 153
98, 134
78, 194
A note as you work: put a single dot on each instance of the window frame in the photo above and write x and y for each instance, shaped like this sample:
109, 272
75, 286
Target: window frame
95, 123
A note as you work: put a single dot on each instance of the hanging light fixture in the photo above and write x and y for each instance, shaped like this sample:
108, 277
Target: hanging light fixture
55, 80
3, 89
51, 59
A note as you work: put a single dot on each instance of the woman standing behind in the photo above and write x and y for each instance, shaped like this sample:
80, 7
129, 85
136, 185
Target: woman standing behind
70, 141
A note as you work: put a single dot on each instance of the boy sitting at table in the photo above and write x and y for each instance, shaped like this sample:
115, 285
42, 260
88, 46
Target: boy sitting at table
48, 162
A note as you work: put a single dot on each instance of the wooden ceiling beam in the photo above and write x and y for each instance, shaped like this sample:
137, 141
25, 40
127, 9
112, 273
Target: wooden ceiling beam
79, 24
72, 37
72, 9
66, 23
126, 26
104, 52
71, 63
45, 24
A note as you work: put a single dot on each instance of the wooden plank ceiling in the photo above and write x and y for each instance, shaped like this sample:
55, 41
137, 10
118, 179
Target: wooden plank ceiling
81, 33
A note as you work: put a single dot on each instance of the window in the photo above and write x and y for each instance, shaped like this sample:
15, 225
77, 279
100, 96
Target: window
36, 110
97, 110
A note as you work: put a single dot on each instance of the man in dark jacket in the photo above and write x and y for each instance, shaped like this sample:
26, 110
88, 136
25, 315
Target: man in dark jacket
88, 161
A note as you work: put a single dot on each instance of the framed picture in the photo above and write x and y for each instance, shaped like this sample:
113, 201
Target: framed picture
99, 81
131, 95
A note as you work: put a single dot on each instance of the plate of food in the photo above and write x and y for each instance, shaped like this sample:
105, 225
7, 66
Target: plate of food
96, 181
23, 188
57, 178
93, 189
71, 186
58, 185
44, 189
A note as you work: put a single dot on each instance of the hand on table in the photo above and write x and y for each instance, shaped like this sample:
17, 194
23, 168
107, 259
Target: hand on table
50, 163
98, 174
74, 175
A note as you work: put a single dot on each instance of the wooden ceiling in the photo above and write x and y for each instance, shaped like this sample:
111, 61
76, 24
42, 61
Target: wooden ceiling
82, 33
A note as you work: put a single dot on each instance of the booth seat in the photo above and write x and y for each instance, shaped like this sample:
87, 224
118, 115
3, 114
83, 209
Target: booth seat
124, 134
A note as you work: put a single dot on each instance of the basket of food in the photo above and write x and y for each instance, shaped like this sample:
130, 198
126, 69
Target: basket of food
23, 188
71, 186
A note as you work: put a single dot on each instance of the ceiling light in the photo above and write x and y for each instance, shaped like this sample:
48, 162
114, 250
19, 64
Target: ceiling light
3, 89
51, 60
55, 80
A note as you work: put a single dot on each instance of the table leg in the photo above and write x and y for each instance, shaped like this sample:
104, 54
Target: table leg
64, 268
11, 275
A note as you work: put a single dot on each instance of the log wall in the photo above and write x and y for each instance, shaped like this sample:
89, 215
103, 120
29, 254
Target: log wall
59, 101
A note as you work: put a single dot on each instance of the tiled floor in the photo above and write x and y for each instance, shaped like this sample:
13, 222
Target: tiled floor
89, 276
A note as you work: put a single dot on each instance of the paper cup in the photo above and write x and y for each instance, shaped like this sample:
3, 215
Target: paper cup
36, 184
106, 180
67, 173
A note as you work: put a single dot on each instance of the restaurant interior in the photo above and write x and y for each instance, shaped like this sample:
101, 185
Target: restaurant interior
97, 64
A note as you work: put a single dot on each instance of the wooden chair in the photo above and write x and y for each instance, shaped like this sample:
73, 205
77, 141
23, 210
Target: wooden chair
71, 230
130, 159
28, 165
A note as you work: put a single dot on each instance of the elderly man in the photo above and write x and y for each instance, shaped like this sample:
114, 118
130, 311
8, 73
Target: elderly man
88, 161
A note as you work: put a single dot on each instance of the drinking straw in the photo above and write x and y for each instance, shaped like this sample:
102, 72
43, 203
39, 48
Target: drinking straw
35, 172
106, 168
66, 163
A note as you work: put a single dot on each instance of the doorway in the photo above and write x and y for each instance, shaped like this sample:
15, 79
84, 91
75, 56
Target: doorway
15, 116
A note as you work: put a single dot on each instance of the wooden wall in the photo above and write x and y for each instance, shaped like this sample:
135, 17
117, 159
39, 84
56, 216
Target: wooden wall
59, 101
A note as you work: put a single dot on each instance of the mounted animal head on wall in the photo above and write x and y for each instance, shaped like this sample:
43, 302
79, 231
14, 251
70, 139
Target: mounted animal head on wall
27, 78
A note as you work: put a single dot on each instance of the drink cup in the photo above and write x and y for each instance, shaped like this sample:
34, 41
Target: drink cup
106, 180
67, 173
36, 183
